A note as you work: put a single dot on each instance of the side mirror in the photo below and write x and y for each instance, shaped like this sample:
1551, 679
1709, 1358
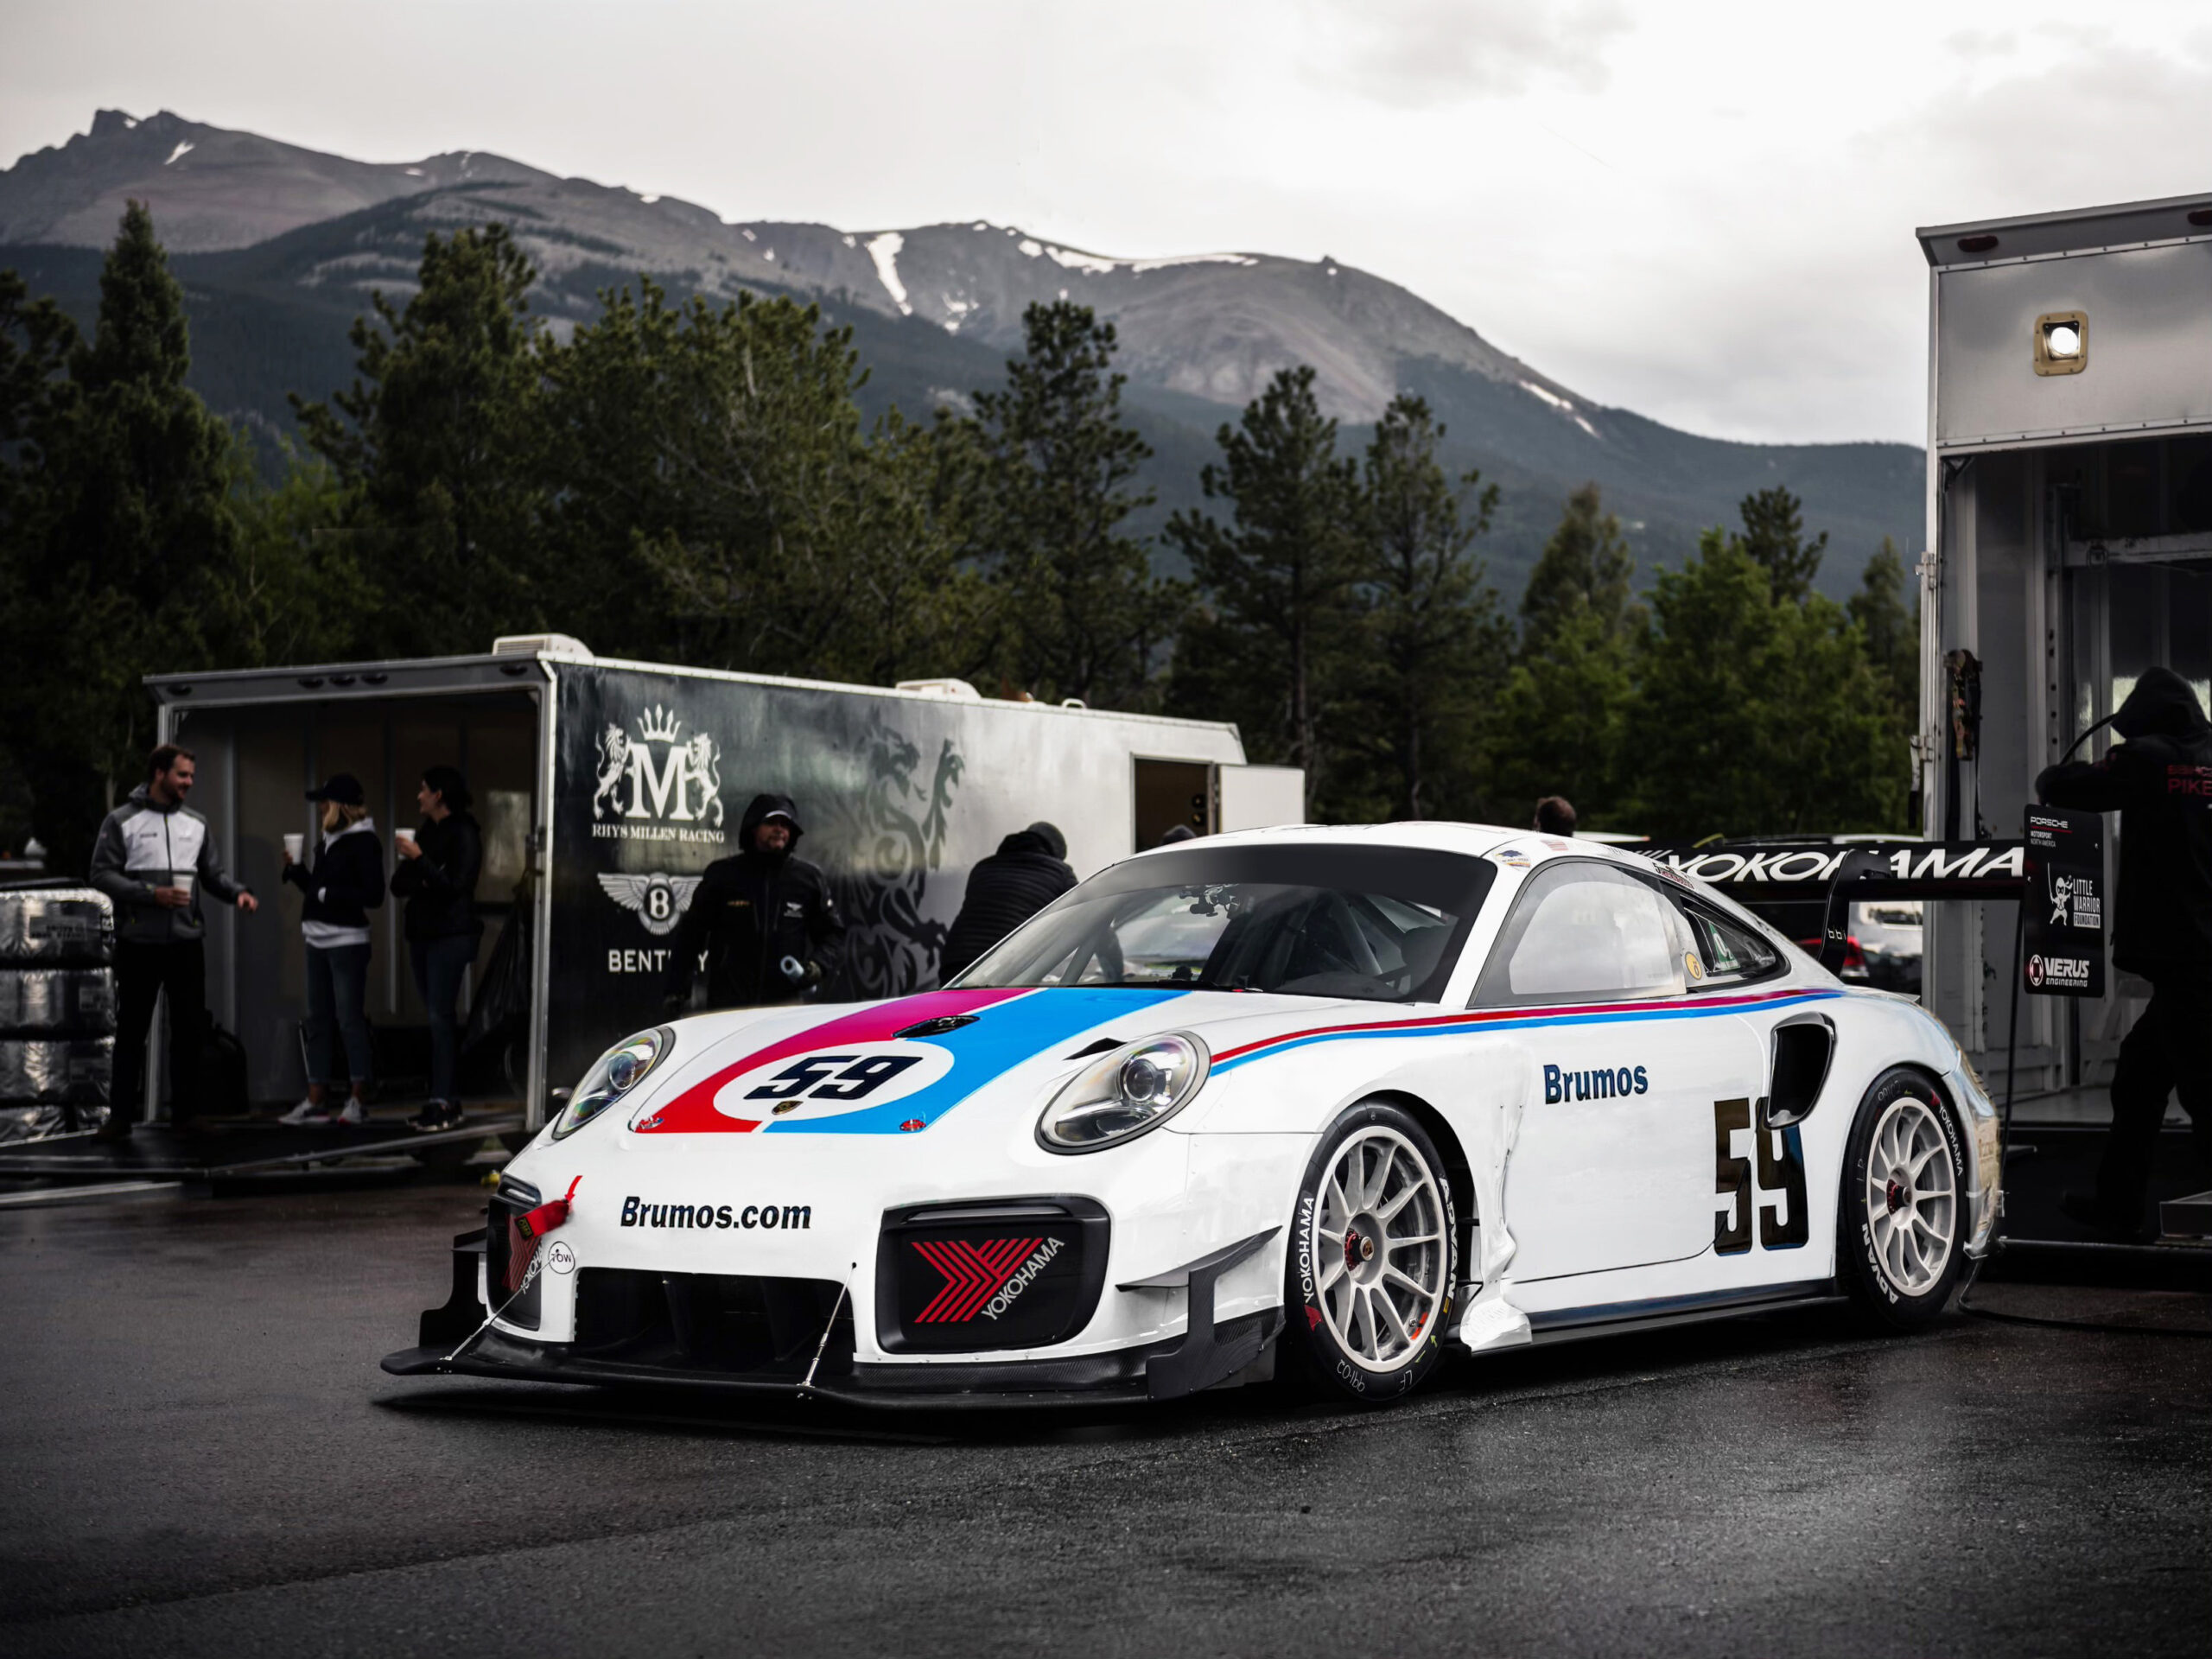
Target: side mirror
1804, 1045
562, 1097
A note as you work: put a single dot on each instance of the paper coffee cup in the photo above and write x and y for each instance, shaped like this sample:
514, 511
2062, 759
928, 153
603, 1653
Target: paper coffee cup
294, 846
407, 835
179, 878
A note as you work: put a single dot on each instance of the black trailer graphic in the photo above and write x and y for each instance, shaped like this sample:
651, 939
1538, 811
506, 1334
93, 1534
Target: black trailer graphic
606, 788
2062, 917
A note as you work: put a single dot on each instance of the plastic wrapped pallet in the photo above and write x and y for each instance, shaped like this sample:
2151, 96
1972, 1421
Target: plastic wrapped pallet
56, 1071
57, 1001
56, 927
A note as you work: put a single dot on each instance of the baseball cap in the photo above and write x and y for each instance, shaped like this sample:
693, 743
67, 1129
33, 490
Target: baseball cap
343, 787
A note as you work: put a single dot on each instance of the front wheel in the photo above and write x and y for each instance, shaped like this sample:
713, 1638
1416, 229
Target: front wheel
1372, 1259
1901, 1225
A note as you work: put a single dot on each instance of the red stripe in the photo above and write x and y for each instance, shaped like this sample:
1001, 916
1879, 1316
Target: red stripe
1445, 1022
693, 1112
996, 1261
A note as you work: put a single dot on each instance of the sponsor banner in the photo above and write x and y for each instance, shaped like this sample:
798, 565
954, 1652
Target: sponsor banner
2063, 921
1920, 869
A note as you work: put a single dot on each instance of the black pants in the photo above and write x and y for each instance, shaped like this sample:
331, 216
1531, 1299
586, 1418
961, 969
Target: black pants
2169, 1051
141, 973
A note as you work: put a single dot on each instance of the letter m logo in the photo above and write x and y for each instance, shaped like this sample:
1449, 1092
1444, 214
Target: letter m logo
664, 785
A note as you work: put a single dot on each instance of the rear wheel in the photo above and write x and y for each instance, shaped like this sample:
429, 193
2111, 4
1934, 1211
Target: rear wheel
1372, 1259
1901, 1225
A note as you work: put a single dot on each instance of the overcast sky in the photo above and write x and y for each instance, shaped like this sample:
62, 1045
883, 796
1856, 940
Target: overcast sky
1700, 212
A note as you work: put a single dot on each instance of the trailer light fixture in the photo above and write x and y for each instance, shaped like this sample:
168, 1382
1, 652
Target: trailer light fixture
2061, 342
1976, 243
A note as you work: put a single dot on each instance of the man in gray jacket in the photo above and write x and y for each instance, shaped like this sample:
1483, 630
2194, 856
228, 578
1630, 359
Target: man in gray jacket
154, 859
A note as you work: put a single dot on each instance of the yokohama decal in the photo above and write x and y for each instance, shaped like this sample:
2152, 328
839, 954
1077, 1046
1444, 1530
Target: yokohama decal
980, 1278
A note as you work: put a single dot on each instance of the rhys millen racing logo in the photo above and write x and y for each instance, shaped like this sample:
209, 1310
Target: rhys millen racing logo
658, 785
977, 1279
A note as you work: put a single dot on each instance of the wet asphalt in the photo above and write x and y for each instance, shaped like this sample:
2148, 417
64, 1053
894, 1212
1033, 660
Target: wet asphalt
198, 1454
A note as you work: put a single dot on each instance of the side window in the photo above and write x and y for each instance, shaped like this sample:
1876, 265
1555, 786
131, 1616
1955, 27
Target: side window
1726, 953
1583, 930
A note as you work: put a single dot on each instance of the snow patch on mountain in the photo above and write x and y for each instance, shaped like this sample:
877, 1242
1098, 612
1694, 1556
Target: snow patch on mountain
884, 250
181, 151
1142, 265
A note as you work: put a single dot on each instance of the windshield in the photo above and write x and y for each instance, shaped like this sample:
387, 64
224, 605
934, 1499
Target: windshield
1384, 924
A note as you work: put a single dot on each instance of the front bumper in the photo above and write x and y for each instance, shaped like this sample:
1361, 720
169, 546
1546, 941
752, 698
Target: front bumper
797, 1341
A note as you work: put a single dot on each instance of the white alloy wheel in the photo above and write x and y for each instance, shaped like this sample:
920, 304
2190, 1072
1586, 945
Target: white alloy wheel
1911, 1195
1381, 1248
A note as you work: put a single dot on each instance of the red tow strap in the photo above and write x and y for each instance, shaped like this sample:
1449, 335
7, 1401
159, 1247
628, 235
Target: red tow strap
524, 1230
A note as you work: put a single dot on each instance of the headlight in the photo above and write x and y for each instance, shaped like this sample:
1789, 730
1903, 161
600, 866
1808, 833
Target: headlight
619, 1071
1122, 1094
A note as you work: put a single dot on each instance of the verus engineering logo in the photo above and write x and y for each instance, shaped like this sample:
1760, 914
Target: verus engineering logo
658, 901
658, 785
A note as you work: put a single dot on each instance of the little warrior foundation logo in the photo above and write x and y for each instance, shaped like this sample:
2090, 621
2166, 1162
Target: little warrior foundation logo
660, 784
982, 1278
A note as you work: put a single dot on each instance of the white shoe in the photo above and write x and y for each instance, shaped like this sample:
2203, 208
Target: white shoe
353, 1116
307, 1111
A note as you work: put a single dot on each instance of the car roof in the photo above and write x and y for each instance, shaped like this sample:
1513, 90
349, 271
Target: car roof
1474, 840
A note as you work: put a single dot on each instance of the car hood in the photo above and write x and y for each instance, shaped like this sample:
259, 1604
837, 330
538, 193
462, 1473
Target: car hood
782, 1072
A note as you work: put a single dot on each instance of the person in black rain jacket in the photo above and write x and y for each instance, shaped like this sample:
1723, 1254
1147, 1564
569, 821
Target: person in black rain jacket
764, 920
2160, 781
1029, 870
436, 874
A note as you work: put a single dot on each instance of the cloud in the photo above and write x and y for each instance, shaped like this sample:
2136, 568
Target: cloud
1426, 53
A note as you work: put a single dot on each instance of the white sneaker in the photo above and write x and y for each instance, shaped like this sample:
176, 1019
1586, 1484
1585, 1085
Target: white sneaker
353, 1116
307, 1111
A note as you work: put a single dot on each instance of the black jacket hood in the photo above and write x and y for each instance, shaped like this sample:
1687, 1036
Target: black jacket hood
762, 806
2161, 705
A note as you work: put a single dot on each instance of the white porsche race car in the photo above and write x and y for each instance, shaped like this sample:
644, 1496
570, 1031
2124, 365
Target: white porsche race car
1330, 1100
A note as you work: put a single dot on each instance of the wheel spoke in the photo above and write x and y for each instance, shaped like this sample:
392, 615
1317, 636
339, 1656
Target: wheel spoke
1397, 1320
1404, 1244
1389, 1211
1334, 1194
1407, 1280
1366, 1306
1333, 1268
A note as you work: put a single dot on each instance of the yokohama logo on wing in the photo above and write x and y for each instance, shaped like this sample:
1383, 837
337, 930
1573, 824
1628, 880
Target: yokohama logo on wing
981, 1278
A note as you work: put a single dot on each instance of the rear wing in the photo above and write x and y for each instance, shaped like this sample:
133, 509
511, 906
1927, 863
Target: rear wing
1838, 877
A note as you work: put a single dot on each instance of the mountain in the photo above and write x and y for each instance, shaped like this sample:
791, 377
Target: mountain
278, 248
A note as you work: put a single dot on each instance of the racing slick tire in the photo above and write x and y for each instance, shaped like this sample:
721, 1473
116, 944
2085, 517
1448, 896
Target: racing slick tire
1373, 1260
1901, 1223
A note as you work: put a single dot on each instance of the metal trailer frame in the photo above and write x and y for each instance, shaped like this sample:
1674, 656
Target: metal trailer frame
539, 665
2015, 571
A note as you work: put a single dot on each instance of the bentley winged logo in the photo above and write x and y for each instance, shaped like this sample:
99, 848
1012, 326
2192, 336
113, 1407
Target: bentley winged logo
658, 901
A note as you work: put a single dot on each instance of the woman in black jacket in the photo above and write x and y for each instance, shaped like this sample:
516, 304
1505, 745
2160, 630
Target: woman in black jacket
436, 875
343, 883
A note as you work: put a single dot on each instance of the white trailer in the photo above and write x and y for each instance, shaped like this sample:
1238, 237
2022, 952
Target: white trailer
2069, 549
603, 785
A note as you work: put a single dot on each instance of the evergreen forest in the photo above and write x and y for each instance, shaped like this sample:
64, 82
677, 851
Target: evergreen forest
677, 481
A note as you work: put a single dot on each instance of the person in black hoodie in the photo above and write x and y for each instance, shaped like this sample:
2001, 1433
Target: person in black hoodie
343, 884
1029, 870
764, 920
2160, 781
436, 874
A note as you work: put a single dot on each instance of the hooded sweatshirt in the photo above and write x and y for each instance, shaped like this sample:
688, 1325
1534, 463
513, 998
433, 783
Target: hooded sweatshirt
343, 884
1005, 890
143, 845
752, 913
2160, 781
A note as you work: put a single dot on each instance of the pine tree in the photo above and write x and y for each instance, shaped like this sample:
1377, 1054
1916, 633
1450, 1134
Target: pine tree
1436, 646
1754, 715
1056, 479
1892, 631
132, 532
1774, 538
1585, 568
1267, 645
436, 440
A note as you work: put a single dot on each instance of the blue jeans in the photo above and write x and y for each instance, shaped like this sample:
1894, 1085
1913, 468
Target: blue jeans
440, 968
338, 989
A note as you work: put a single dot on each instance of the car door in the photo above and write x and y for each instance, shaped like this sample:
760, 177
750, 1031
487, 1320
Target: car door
1761, 1210
1616, 1143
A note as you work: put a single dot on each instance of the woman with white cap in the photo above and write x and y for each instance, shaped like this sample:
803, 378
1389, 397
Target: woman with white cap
343, 883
